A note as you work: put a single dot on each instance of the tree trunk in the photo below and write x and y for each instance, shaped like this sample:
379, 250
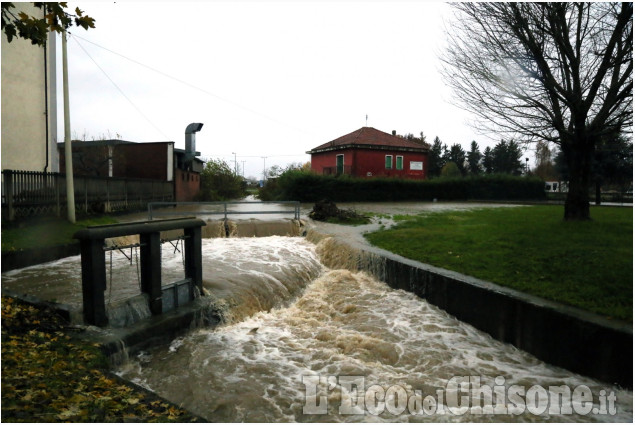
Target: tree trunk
576, 206
598, 192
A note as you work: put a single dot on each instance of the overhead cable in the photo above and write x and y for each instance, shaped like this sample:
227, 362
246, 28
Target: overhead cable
195, 87
120, 91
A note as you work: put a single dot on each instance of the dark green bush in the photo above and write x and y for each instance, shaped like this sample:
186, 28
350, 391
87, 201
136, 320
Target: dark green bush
309, 187
220, 183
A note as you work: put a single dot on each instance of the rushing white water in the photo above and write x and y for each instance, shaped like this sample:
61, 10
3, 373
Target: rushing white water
335, 325
243, 275
248, 275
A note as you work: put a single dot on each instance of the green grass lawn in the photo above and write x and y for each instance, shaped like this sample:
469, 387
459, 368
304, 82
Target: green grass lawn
46, 232
531, 249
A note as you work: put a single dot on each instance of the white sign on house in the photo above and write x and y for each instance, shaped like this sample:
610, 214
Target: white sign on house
416, 165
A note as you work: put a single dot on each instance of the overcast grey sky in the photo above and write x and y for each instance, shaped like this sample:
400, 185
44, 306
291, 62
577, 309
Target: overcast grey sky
270, 79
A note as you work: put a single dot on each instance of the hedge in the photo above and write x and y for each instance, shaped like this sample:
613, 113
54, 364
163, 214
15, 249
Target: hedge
309, 187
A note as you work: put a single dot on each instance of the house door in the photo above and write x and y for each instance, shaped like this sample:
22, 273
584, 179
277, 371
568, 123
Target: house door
339, 164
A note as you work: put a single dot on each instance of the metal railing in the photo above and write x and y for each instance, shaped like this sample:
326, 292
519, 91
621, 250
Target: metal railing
152, 206
92, 240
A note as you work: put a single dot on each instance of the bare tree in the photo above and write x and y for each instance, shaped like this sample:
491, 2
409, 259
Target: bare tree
555, 72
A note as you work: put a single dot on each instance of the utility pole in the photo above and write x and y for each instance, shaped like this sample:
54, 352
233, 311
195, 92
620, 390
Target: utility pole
68, 149
264, 169
235, 164
243, 168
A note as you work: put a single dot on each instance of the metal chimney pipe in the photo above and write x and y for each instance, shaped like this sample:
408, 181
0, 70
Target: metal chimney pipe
190, 137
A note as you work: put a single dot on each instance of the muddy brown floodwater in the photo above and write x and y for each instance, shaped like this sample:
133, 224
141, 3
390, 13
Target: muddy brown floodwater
302, 342
260, 365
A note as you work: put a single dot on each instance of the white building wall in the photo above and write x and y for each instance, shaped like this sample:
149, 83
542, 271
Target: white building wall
24, 142
170, 173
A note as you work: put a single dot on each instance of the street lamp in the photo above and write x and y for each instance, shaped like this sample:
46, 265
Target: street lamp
526, 165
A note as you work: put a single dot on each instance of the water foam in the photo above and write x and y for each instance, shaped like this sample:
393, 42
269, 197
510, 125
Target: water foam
243, 275
343, 324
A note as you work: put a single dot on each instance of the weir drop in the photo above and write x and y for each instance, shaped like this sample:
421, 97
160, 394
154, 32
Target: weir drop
285, 317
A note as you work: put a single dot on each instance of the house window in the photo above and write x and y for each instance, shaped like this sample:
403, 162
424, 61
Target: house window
399, 164
388, 162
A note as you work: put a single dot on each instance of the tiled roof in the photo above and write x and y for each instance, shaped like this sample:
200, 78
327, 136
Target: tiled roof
369, 136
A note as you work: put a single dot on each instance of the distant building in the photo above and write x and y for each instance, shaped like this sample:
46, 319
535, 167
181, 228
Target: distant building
29, 103
368, 152
124, 159
556, 186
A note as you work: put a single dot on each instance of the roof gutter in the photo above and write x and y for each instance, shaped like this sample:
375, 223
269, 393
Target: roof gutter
376, 147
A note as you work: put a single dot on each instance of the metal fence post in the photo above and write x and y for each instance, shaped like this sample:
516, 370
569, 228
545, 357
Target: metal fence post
94, 281
151, 269
193, 257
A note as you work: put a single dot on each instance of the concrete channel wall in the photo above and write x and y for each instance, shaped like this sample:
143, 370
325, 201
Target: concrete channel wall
560, 335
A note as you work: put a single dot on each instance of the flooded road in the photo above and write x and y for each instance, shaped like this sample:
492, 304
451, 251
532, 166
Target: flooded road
240, 210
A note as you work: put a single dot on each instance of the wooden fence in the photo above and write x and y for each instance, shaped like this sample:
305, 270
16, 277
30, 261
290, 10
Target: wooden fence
32, 193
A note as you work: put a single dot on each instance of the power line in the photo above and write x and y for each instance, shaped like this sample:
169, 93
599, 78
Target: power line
255, 156
120, 91
194, 87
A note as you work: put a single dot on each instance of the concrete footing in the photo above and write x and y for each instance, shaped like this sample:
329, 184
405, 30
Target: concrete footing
119, 343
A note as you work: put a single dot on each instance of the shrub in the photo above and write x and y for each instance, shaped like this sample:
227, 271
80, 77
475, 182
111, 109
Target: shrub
305, 186
450, 170
220, 183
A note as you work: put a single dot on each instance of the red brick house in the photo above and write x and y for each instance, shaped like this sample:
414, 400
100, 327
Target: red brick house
368, 152
124, 159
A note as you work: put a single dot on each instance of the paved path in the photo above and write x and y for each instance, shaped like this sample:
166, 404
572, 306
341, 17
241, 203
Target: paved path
356, 233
